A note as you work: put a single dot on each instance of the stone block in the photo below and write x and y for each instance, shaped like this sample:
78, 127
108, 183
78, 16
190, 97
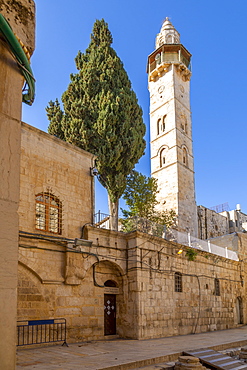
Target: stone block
88, 311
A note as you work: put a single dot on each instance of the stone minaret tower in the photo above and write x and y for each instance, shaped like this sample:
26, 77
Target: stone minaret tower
172, 161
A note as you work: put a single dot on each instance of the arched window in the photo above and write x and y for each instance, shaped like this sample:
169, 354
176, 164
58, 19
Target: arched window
184, 125
158, 126
185, 156
178, 282
48, 213
163, 123
162, 157
158, 59
169, 39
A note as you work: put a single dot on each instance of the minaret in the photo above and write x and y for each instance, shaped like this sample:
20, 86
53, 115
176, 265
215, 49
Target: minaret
172, 162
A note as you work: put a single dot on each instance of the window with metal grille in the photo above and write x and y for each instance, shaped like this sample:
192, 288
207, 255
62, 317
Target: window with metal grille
216, 287
48, 213
178, 282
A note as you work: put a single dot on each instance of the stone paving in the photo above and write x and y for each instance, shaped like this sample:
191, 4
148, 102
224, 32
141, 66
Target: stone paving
120, 354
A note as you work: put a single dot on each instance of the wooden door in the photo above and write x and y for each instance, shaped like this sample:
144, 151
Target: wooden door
110, 314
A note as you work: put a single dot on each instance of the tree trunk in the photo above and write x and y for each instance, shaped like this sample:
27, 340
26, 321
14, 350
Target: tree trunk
113, 210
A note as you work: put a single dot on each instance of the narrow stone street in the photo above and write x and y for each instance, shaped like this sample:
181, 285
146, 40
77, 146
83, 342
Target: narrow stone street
120, 354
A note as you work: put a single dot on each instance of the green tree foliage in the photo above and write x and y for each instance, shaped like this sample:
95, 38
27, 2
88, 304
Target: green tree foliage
101, 114
140, 196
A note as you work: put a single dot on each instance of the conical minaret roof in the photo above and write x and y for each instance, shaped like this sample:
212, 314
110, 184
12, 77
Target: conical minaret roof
168, 34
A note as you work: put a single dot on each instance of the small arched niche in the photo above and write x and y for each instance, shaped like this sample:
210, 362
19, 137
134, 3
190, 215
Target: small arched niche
110, 283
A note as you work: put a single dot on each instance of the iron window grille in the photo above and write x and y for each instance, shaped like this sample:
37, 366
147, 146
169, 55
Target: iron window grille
216, 287
48, 213
178, 282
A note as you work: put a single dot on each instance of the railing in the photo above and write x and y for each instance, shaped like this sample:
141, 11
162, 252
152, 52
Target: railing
102, 220
169, 58
204, 245
152, 228
41, 331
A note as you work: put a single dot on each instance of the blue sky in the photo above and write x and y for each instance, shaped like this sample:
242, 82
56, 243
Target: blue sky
213, 31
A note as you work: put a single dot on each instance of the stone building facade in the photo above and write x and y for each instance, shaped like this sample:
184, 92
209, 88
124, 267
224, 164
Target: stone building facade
107, 283
153, 290
212, 224
61, 172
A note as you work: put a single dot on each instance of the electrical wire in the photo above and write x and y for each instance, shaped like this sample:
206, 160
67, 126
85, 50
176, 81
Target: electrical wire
18, 53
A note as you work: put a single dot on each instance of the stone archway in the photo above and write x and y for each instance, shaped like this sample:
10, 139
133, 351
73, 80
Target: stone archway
31, 302
110, 275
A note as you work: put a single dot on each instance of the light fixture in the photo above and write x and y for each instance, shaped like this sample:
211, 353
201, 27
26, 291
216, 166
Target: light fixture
180, 251
93, 171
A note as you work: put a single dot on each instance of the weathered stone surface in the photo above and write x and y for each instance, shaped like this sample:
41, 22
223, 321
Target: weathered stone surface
11, 82
147, 304
21, 16
188, 363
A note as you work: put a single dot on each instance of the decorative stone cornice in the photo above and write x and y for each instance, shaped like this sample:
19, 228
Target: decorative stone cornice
183, 71
164, 67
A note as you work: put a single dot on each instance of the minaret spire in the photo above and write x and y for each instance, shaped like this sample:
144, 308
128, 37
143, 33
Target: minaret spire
168, 34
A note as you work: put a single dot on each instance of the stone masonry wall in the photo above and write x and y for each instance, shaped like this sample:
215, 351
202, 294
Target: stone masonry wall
197, 308
48, 163
211, 224
143, 269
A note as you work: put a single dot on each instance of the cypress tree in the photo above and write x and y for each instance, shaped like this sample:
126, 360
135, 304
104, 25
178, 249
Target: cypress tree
101, 114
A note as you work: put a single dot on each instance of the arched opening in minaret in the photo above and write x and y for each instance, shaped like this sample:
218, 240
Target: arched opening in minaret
163, 127
162, 157
185, 156
184, 125
158, 126
169, 39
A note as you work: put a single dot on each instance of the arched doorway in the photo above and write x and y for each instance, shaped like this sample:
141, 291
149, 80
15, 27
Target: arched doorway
110, 308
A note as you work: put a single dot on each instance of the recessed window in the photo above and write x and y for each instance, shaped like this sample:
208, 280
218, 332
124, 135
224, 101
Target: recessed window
178, 282
162, 157
48, 213
186, 128
169, 39
163, 127
184, 124
158, 126
216, 287
185, 156
158, 59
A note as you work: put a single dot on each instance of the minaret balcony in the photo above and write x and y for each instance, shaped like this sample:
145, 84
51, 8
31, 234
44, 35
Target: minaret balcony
161, 59
157, 70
